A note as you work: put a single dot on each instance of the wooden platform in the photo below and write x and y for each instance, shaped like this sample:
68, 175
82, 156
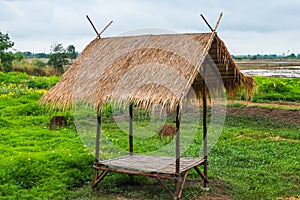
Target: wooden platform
151, 164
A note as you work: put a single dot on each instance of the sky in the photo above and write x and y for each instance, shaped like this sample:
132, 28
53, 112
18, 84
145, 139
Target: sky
247, 27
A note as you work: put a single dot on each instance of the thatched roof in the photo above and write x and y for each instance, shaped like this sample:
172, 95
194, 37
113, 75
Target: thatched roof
147, 70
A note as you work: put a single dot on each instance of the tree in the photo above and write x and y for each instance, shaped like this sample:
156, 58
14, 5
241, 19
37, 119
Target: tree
6, 58
292, 55
71, 52
27, 54
19, 56
58, 57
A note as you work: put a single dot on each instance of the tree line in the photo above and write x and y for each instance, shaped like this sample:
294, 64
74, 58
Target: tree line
266, 56
58, 57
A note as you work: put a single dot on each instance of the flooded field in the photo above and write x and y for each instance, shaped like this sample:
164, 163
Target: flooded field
270, 67
284, 72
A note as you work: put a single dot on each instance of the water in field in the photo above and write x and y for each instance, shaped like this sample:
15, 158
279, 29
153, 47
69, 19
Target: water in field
284, 72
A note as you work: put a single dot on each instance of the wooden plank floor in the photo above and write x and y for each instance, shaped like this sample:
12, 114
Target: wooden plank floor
143, 163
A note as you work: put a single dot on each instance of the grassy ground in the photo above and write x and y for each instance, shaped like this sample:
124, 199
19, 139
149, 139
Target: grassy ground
255, 157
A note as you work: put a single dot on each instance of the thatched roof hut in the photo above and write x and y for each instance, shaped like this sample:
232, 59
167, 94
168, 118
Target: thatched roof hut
147, 70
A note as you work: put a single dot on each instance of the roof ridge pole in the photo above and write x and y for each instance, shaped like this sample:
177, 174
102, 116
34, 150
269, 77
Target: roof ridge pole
206, 49
217, 24
98, 35
207, 23
105, 28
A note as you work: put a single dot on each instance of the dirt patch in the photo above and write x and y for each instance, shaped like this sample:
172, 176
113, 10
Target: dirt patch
217, 191
285, 116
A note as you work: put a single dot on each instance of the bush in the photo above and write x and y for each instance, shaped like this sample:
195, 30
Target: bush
22, 80
276, 89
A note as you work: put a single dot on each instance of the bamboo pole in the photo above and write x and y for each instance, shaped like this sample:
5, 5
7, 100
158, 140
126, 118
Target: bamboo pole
217, 24
130, 130
98, 35
105, 28
204, 100
207, 23
178, 139
97, 159
177, 168
98, 134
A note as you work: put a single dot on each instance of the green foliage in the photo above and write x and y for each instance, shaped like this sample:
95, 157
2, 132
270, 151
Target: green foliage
263, 156
6, 58
19, 56
277, 89
24, 80
5, 42
72, 52
36, 163
58, 57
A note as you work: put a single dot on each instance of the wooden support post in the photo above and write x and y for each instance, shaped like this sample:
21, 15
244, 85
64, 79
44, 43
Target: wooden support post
130, 130
98, 133
182, 184
204, 100
100, 177
131, 136
166, 187
178, 139
177, 169
97, 159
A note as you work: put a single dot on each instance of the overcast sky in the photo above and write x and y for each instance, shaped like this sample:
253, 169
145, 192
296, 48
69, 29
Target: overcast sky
247, 27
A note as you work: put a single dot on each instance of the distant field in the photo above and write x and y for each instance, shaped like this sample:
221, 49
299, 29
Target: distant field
266, 63
45, 60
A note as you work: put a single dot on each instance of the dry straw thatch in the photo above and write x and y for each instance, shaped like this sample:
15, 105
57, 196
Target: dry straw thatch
147, 70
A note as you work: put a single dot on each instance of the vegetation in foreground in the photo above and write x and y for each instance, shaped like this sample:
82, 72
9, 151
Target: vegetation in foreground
276, 89
255, 160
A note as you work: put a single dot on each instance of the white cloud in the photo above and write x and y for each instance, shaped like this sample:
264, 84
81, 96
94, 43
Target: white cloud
247, 26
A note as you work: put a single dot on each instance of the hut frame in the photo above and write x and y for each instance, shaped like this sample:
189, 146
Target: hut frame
137, 164
158, 167
163, 169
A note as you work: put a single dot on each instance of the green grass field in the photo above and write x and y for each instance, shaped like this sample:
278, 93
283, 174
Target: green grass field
255, 158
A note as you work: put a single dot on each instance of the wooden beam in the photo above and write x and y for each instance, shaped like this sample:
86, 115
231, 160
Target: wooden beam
204, 101
105, 28
100, 177
177, 167
130, 130
97, 148
133, 172
217, 24
207, 23
98, 35
98, 135
177, 140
